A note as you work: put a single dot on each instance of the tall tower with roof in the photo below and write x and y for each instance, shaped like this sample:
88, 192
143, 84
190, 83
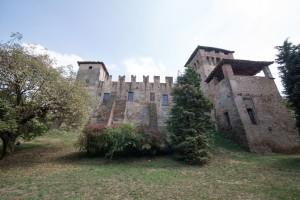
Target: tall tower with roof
204, 59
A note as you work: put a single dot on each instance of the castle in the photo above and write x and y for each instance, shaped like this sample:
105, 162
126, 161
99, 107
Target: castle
247, 109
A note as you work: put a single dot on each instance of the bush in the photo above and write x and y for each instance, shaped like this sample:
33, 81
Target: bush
154, 142
122, 140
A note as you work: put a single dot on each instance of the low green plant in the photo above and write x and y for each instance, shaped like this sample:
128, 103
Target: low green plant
122, 140
116, 141
154, 142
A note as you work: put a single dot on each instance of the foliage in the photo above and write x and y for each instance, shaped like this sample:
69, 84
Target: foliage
40, 95
288, 58
189, 123
153, 142
122, 140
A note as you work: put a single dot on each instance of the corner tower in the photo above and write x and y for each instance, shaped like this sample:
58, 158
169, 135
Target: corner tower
204, 59
92, 72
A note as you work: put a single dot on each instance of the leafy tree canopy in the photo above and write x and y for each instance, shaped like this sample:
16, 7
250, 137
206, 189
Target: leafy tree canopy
35, 96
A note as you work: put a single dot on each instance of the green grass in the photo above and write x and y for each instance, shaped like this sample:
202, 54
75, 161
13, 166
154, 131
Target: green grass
50, 168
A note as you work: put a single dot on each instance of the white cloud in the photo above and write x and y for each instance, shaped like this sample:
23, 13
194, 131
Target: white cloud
146, 66
60, 59
250, 27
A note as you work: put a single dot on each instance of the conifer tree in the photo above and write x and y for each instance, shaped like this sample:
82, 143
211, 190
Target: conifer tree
190, 124
288, 58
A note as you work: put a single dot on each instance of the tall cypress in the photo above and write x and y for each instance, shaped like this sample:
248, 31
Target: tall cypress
189, 123
288, 58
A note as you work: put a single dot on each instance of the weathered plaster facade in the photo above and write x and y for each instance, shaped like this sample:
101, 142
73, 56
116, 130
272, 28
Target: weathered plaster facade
247, 109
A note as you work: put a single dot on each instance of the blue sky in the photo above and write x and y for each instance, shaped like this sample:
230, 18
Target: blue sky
150, 36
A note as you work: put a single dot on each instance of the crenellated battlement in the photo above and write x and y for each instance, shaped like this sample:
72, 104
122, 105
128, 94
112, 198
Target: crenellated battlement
156, 80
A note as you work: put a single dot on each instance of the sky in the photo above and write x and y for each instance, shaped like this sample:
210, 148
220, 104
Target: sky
150, 37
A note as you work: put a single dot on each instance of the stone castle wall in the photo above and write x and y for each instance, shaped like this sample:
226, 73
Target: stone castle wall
268, 127
142, 103
275, 129
247, 109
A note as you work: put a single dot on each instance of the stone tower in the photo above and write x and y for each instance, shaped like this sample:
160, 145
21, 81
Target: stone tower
247, 108
92, 72
204, 59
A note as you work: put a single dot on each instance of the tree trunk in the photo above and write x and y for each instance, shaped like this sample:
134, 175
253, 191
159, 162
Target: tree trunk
3, 150
9, 143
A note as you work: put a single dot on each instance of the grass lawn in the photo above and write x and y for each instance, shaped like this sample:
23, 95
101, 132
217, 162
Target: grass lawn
50, 168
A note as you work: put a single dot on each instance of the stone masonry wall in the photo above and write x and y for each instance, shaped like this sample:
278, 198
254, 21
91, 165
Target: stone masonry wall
275, 130
138, 110
231, 125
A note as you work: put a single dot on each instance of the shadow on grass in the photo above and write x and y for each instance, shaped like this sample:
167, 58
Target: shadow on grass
222, 143
81, 158
288, 163
30, 154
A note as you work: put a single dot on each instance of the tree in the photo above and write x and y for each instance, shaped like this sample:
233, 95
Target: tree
288, 58
189, 124
35, 96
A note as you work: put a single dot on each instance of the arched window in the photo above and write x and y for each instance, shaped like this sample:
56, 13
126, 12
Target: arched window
90, 67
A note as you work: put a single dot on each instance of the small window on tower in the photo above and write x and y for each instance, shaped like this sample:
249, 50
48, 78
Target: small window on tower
208, 60
87, 81
90, 67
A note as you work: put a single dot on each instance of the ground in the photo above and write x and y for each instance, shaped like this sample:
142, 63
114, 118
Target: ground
49, 167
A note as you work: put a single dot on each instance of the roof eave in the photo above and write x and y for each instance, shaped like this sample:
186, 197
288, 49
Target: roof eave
94, 62
203, 47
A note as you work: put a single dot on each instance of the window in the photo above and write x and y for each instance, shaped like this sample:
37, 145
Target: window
208, 61
251, 115
218, 60
165, 100
152, 96
213, 60
106, 97
90, 67
227, 119
130, 96
87, 81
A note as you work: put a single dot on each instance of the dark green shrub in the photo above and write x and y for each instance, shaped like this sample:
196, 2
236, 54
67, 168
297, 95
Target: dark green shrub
122, 140
154, 142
